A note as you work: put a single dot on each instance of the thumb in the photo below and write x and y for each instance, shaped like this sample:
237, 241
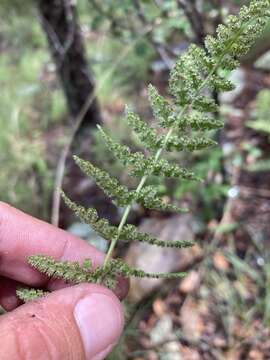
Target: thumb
80, 322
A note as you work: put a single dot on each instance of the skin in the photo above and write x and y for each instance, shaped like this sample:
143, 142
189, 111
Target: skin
74, 322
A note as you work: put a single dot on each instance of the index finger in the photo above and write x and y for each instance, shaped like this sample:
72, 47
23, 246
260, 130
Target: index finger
21, 235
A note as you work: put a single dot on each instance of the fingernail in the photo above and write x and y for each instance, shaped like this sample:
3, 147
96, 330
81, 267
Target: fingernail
99, 319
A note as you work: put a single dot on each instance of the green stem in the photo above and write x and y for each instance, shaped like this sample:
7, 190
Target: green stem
160, 151
128, 208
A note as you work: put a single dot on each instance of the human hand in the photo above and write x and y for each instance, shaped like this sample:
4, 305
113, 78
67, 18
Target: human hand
78, 322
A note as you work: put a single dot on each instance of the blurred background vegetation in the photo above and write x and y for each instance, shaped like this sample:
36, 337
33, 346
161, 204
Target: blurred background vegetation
67, 65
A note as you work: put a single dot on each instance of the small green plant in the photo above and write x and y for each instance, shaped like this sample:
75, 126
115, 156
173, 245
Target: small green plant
182, 124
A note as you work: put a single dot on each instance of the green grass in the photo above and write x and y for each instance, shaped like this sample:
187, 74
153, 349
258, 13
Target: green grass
29, 105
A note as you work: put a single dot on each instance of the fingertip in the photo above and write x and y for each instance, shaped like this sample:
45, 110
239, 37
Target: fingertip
99, 317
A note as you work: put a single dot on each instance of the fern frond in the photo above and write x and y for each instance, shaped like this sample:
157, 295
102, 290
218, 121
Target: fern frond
146, 134
26, 294
162, 110
90, 217
136, 160
162, 167
188, 144
68, 271
149, 199
197, 121
196, 69
129, 232
236, 37
202, 103
121, 268
190, 109
106, 182
72, 272
130, 272
145, 166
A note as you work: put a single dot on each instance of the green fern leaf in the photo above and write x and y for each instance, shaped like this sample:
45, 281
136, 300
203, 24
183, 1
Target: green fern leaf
106, 182
188, 144
147, 135
162, 110
197, 121
136, 160
149, 199
72, 272
90, 217
162, 167
125, 270
27, 295
144, 166
108, 232
68, 271
130, 233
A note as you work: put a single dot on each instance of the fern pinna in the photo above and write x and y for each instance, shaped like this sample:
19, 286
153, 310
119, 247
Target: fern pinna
185, 119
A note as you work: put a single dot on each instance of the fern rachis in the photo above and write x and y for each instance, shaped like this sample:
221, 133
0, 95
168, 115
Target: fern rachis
190, 109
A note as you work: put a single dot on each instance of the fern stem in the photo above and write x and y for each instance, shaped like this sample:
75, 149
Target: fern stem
167, 138
114, 241
122, 222
128, 208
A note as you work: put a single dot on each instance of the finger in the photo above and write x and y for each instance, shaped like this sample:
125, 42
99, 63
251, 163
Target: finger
8, 297
80, 322
22, 235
